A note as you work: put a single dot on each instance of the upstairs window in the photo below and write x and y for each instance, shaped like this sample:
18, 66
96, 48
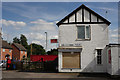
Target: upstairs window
99, 56
83, 32
3, 50
21, 52
10, 50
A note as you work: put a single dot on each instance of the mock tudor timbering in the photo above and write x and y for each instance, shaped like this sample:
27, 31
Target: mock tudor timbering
84, 12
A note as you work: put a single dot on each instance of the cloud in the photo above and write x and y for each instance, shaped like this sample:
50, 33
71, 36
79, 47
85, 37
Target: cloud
13, 23
35, 36
113, 35
16, 24
40, 25
105, 8
37, 42
53, 37
34, 31
39, 38
39, 11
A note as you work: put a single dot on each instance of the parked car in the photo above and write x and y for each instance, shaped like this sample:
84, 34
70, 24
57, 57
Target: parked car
3, 64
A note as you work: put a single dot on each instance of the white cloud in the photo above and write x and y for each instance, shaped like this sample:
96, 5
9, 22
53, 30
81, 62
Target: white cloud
105, 8
16, 24
41, 21
36, 42
34, 31
35, 36
40, 25
53, 37
113, 35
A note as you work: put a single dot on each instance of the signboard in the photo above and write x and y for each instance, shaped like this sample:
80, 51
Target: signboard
54, 41
76, 45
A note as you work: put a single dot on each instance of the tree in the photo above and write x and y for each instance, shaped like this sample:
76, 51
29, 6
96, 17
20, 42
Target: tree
53, 52
23, 41
16, 40
36, 49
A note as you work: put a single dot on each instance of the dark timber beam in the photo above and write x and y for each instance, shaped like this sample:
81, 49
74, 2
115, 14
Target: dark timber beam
68, 19
82, 15
97, 19
75, 17
84, 23
90, 16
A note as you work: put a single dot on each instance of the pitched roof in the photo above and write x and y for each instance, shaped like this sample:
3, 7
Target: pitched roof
6, 45
83, 7
19, 46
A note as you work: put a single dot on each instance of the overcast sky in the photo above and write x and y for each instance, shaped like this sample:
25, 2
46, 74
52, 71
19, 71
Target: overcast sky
33, 19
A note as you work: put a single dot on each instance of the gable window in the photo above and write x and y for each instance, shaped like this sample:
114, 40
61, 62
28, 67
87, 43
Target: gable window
21, 51
99, 56
10, 50
3, 50
83, 32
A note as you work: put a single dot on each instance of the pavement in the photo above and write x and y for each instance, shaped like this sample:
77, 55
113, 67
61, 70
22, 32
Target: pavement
16, 75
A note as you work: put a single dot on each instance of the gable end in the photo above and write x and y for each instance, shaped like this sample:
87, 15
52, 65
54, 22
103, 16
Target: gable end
85, 11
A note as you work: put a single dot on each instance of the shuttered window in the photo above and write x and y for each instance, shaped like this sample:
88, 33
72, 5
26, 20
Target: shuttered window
71, 60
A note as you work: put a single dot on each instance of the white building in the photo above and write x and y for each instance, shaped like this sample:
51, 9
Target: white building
83, 36
113, 59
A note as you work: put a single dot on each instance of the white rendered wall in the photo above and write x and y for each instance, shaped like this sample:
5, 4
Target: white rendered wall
99, 38
114, 67
109, 67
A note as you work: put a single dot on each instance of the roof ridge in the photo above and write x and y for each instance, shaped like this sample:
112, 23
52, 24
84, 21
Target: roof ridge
19, 46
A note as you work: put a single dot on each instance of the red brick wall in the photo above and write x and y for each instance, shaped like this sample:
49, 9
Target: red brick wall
3, 54
22, 53
15, 53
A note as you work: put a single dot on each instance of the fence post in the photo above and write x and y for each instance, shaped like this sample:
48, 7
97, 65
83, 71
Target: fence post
21, 65
29, 65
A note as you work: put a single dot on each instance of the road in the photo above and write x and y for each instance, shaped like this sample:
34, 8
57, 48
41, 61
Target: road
15, 75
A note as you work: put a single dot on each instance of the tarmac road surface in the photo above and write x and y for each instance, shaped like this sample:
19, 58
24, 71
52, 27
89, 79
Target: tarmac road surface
15, 75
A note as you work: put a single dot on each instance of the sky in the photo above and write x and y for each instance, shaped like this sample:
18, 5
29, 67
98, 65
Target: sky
33, 19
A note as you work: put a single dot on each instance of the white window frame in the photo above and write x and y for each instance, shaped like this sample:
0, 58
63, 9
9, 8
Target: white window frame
3, 50
99, 55
10, 50
21, 52
85, 32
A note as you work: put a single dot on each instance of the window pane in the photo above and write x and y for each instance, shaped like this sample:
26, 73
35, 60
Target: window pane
81, 32
3, 50
99, 56
87, 31
9, 50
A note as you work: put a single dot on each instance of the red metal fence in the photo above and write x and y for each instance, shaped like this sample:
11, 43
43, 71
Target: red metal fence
34, 58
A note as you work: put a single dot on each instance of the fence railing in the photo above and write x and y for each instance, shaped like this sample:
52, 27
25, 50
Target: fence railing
35, 66
32, 66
